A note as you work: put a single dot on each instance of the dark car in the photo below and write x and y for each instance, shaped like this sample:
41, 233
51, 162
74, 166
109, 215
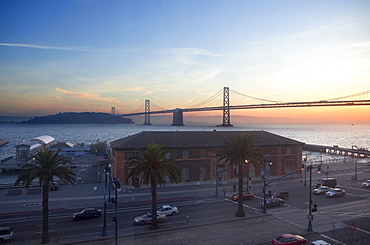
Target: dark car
281, 194
289, 239
274, 202
54, 186
246, 196
88, 213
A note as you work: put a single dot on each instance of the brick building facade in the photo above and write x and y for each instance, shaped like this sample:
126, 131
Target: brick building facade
196, 153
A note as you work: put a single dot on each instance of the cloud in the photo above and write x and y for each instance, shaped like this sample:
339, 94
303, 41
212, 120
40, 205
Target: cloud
21, 45
188, 51
87, 96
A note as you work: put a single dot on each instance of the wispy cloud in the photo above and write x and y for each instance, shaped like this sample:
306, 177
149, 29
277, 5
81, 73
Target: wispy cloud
23, 45
188, 51
87, 96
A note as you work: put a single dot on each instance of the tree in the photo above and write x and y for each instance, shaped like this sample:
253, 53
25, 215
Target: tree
152, 165
241, 147
48, 164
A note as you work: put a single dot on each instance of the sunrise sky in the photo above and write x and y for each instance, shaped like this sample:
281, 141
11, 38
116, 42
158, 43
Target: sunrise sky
89, 56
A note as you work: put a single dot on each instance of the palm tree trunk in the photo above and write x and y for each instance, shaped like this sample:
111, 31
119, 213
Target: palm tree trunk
240, 211
45, 212
153, 185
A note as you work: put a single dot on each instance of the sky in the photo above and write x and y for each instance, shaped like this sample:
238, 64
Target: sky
92, 55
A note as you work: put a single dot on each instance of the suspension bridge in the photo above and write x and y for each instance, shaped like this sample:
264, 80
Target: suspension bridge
357, 99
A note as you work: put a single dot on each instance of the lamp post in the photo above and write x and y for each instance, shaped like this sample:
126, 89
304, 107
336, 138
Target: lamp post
117, 187
246, 162
264, 184
104, 232
109, 182
305, 161
310, 217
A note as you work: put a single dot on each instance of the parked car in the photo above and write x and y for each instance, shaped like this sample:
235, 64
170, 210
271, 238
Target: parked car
6, 233
366, 184
168, 210
336, 192
54, 186
246, 196
319, 242
281, 194
321, 190
74, 165
147, 218
331, 182
274, 202
88, 213
289, 239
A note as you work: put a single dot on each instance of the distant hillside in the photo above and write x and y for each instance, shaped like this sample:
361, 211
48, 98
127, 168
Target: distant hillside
79, 118
10, 119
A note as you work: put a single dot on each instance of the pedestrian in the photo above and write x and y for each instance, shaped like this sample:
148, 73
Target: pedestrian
198, 185
234, 187
224, 192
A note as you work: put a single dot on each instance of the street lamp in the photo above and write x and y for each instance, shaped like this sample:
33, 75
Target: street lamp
310, 217
109, 182
117, 187
305, 161
265, 176
246, 162
104, 232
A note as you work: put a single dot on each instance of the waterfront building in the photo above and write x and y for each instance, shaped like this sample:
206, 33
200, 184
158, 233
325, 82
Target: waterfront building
196, 152
69, 149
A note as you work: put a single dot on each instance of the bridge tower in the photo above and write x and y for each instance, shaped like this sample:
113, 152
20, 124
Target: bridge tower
147, 113
226, 109
178, 118
113, 113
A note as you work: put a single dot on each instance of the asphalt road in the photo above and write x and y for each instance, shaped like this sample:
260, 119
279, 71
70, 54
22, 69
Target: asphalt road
24, 214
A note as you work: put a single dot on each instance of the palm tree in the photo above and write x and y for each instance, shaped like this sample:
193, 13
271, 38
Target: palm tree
240, 148
152, 166
48, 164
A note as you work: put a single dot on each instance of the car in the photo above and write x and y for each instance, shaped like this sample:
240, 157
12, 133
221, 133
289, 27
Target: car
321, 190
289, 239
319, 242
168, 210
74, 165
147, 218
6, 233
88, 213
246, 196
331, 182
336, 192
274, 202
366, 184
281, 194
54, 186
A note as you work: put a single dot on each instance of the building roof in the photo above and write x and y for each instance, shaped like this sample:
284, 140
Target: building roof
63, 145
46, 139
197, 139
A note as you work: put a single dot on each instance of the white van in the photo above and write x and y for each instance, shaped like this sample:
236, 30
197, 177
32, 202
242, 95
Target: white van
6, 233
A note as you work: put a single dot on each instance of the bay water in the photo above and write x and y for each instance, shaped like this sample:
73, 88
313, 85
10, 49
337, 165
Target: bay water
341, 135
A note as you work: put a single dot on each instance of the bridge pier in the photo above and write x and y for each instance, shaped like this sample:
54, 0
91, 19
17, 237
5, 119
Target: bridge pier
178, 119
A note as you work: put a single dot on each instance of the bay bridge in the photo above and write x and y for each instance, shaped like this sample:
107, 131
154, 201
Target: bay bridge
357, 99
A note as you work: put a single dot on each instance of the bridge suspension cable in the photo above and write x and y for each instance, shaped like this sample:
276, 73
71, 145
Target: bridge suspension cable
208, 100
251, 97
139, 109
352, 96
156, 106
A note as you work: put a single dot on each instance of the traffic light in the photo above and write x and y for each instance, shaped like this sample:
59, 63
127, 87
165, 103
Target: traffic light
302, 166
314, 208
319, 169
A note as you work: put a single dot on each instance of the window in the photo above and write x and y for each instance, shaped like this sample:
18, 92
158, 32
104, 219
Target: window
185, 174
185, 155
202, 173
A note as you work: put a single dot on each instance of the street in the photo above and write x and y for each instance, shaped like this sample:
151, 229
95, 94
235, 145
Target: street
333, 221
